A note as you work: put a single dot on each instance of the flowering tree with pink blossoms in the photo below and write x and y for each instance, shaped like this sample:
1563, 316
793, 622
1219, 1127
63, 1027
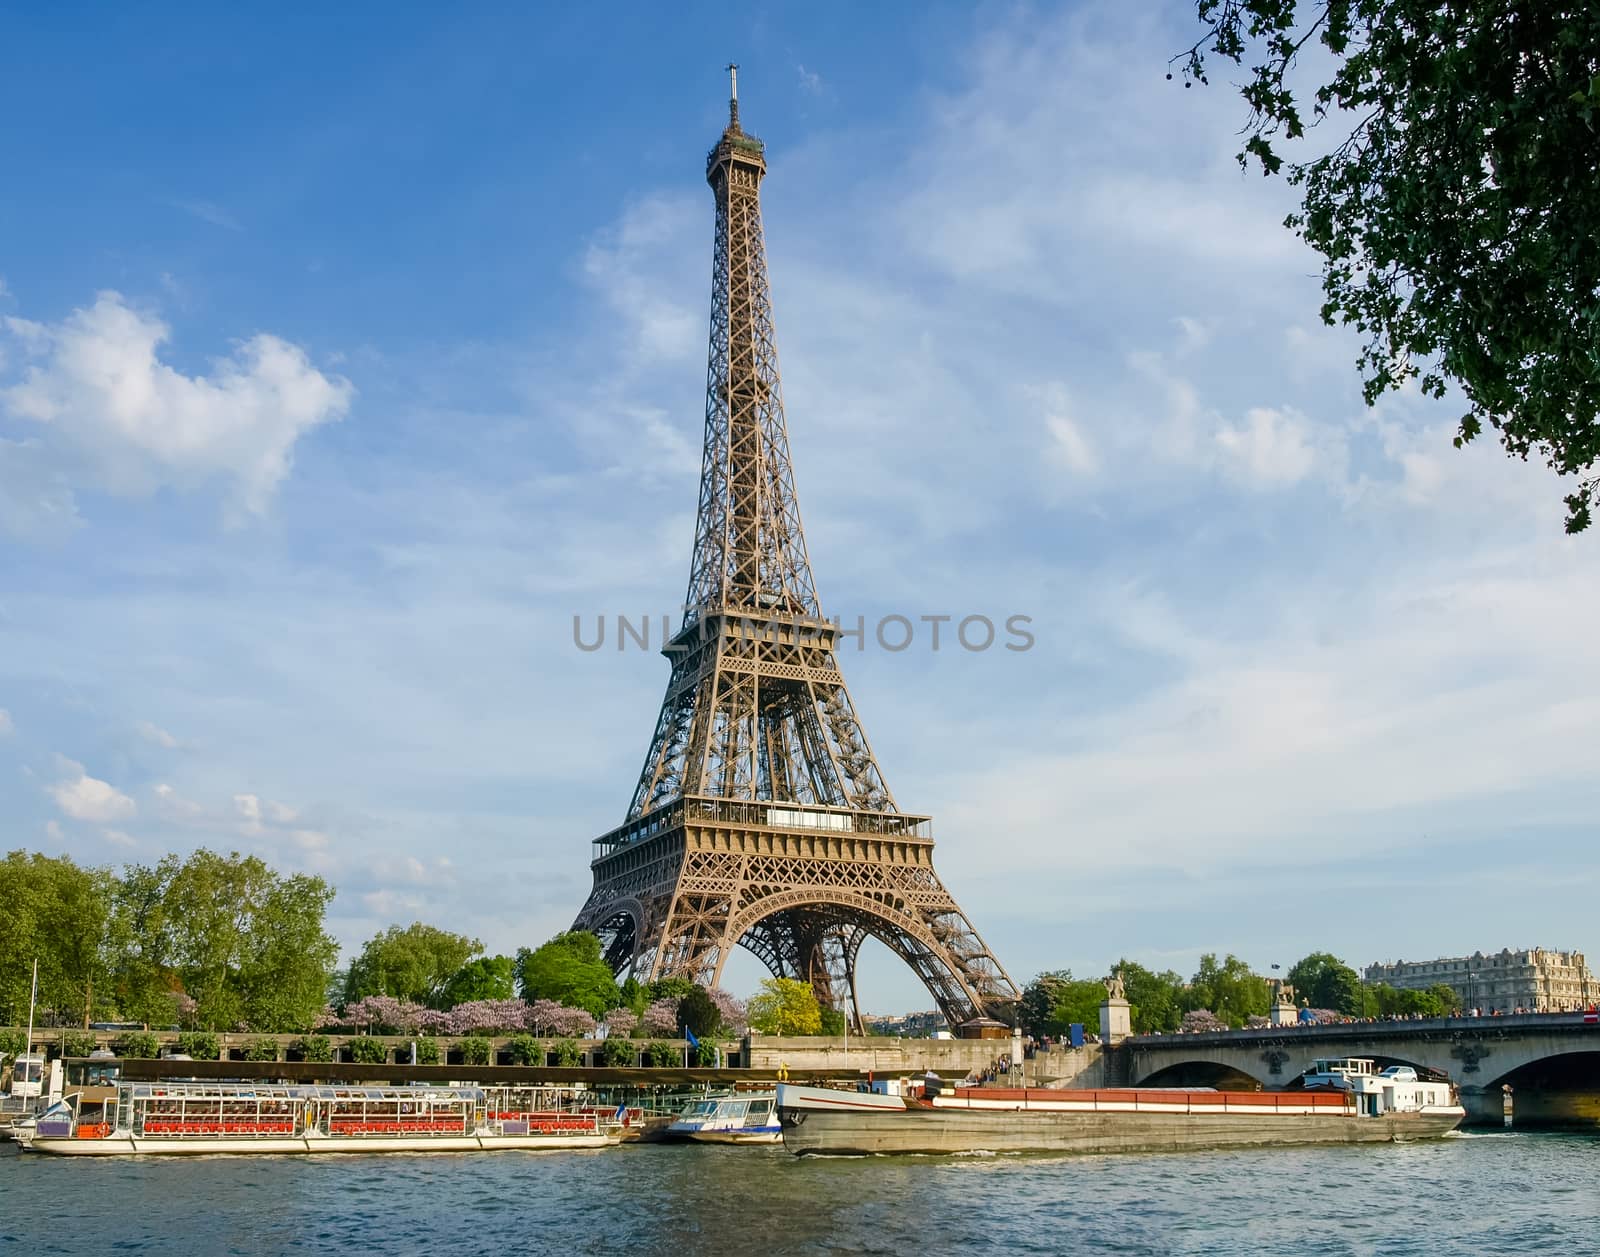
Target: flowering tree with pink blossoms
574, 1023
661, 1017
542, 1016
621, 1021
1201, 1021
735, 1018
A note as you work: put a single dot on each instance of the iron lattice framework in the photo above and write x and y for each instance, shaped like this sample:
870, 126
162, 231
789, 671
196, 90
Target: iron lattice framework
761, 818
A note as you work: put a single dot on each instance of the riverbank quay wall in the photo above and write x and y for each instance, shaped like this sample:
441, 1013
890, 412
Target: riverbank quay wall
1549, 1061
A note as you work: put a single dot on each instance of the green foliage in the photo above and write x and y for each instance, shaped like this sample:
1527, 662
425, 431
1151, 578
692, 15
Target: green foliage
475, 1050
569, 1053
77, 1043
635, 996
1459, 214
315, 1047
568, 969
416, 962
832, 1021
1055, 999
670, 988
138, 1044
785, 1006
261, 1050
201, 1045
705, 1056
663, 1055
60, 913
1381, 1000
1229, 991
368, 1051
618, 1053
12, 1042
1322, 980
487, 977
525, 1050
246, 943
696, 1011
427, 1051
1444, 998
1154, 998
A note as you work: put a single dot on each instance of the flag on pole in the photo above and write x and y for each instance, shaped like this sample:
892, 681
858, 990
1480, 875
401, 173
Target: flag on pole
689, 1035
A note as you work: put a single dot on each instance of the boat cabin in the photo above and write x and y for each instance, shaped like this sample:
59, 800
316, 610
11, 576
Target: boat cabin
1396, 1089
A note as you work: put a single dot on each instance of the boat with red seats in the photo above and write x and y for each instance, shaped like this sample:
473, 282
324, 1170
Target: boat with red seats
209, 1118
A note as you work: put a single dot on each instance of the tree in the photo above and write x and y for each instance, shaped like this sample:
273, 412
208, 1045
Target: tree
786, 1006
1322, 980
1458, 216
670, 988
833, 1023
59, 913
1229, 990
486, 978
412, 963
1054, 1000
1153, 997
570, 970
697, 1011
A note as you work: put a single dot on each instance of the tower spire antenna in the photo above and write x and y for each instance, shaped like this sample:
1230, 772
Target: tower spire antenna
733, 95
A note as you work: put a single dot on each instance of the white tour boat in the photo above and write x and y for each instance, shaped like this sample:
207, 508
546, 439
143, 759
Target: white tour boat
151, 1118
751, 1118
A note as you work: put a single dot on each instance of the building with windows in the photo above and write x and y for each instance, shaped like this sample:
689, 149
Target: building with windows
1533, 980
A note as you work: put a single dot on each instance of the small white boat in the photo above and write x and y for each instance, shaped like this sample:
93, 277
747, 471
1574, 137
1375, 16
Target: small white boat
751, 1118
35, 1085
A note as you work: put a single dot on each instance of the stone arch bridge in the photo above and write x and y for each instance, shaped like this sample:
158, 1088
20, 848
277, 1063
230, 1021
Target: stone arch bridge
1550, 1061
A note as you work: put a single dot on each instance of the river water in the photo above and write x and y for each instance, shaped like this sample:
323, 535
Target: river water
1468, 1194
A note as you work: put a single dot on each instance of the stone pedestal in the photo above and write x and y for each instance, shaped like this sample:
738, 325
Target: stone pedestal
1116, 1020
1283, 1015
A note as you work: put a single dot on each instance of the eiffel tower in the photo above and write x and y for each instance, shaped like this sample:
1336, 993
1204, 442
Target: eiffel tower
761, 818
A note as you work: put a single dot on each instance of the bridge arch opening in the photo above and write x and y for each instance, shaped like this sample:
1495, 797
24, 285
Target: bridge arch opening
1561, 1092
1202, 1074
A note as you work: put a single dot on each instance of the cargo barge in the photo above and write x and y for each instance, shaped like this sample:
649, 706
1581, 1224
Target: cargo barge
927, 1119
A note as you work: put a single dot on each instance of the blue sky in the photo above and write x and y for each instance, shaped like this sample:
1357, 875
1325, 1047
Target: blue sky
344, 360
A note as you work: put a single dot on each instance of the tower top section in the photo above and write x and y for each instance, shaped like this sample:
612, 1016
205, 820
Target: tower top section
735, 146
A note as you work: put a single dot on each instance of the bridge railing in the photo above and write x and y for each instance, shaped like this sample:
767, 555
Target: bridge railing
1367, 1029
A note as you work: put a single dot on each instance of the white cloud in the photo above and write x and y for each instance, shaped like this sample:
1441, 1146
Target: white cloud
1272, 449
209, 212
810, 81
86, 798
6, 724
1070, 447
159, 736
54, 832
118, 837
175, 807
660, 320
97, 387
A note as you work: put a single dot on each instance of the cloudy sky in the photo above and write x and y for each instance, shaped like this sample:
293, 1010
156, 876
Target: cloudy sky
344, 360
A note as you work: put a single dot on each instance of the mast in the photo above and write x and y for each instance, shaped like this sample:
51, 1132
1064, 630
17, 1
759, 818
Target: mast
33, 995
